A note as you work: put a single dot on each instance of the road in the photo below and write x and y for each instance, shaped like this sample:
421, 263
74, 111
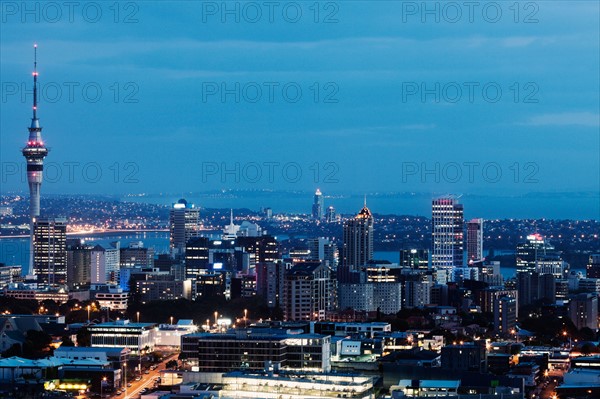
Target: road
147, 380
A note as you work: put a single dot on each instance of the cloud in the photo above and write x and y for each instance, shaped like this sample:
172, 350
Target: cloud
587, 119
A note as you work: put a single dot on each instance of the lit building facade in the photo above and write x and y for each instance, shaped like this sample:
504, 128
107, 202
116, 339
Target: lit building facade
357, 250
309, 291
184, 224
137, 337
318, 205
447, 226
475, 240
50, 251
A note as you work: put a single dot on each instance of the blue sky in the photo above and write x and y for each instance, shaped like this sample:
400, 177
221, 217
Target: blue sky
367, 131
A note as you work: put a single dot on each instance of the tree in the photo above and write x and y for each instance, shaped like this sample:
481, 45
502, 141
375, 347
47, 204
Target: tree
37, 344
172, 364
84, 338
14, 350
588, 348
67, 341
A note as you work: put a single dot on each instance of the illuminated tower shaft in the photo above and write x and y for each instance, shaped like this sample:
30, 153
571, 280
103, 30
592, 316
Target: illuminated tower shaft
34, 153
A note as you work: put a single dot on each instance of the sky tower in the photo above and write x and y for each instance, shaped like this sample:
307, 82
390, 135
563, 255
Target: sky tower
34, 153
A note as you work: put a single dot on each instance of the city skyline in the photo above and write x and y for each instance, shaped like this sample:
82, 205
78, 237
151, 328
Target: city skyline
357, 199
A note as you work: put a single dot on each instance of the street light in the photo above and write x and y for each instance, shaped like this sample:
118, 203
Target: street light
101, 386
216, 318
245, 318
138, 316
125, 376
171, 320
88, 309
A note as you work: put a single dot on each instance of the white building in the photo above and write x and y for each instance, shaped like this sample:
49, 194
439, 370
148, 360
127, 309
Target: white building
109, 296
356, 296
252, 386
170, 334
138, 337
105, 263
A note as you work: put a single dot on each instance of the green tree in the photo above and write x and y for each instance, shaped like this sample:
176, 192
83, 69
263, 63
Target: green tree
14, 350
171, 364
37, 344
67, 341
84, 337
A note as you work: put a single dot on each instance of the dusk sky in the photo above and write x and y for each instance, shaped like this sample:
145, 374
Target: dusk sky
362, 120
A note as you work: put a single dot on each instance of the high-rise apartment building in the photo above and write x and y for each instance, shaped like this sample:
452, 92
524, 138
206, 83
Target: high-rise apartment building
79, 263
357, 250
50, 251
447, 233
583, 311
475, 240
593, 266
318, 205
414, 258
309, 291
536, 253
184, 224
106, 263
324, 249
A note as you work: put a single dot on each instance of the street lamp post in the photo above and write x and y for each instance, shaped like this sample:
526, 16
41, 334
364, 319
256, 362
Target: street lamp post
245, 318
101, 386
216, 318
125, 377
88, 309
171, 320
138, 316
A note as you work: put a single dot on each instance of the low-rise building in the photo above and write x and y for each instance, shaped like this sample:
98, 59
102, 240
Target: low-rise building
137, 337
109, 296
249, 349
170, 334
307, 386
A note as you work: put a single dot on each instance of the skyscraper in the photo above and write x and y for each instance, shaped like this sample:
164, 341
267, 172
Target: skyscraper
475, 240
358, 240
196, 257
447, 232
106, 263
414, 258
536, 254
330, 216
324, 249
34, 153
184, 222
505, 314
583, 311
309, 291
50, 251
318, 205
78, 263
593, 267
